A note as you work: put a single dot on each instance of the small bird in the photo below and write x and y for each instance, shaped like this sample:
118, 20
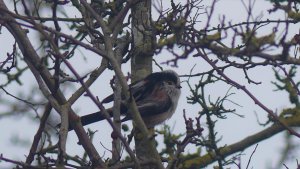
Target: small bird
156, 97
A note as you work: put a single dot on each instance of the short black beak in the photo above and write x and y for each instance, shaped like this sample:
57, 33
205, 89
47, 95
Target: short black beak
179, 87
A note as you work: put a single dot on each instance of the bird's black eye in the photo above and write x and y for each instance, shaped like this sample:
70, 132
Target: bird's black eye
169, 82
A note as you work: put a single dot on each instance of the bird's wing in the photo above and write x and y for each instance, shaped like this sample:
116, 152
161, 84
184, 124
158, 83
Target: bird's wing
150, 108
156, 102
137, 90
154, 107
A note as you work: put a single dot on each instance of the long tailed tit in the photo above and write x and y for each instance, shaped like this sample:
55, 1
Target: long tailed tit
156, 97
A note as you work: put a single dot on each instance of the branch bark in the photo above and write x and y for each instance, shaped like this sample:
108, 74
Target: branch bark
33, 61
243, 144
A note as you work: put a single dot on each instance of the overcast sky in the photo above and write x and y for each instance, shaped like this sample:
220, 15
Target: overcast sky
231, 129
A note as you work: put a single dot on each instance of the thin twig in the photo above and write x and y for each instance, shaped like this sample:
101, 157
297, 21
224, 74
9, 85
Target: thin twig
38, 134
251, 156
256, 101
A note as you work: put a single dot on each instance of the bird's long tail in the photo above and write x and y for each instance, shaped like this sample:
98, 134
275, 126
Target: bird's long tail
91, 118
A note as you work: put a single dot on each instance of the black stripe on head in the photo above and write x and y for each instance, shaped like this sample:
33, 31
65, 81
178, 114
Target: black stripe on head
167, 75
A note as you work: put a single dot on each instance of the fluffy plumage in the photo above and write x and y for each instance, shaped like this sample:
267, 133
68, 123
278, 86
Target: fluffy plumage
156, 97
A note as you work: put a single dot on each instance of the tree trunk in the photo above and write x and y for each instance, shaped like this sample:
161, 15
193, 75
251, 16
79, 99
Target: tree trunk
141, 65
